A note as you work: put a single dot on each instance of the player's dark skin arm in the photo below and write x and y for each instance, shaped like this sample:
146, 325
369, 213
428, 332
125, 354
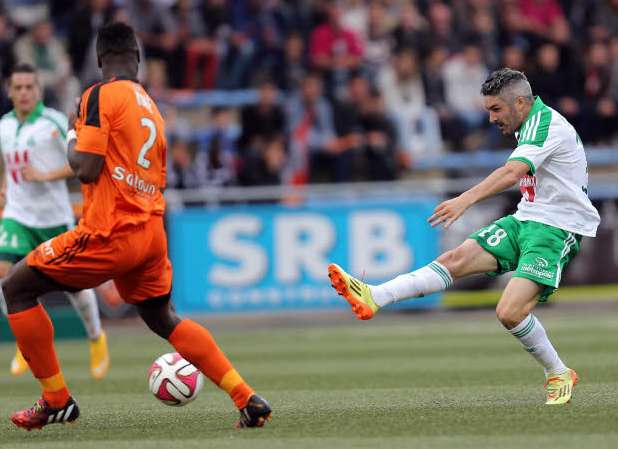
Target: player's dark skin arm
86, 166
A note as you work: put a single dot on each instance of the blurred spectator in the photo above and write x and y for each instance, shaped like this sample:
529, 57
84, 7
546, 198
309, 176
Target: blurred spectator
378, 39
606, 19
181, 168
235, 61
26, 14
379, 138
411, 31
155, 27
354, 16
600, 110
84, 23
264, 121
347, 116
314, 153
556, 84
294, 65
462, 71
514, 56
216, 16
335, 51
5, 103
196, 53
442, 28
264, 165
40, 48
216, 157
404, 96
614, 53
535, 21
452, 129
544, 18
484, 27
7, 58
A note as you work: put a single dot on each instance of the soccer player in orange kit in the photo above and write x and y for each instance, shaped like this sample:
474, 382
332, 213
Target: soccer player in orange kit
118, 152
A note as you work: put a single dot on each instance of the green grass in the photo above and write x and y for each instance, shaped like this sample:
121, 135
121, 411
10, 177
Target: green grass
410, 381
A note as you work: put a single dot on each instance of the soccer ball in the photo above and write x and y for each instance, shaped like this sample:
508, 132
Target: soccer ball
173, 380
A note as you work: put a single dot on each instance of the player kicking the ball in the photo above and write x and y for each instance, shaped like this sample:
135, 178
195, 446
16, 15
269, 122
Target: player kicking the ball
537, 242
117, 150
34, 149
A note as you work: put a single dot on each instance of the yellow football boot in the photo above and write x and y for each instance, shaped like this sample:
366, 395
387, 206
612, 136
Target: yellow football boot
99, 357
356, 292
559, 388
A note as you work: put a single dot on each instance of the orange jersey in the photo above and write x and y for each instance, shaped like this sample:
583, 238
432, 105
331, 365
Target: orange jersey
118, 120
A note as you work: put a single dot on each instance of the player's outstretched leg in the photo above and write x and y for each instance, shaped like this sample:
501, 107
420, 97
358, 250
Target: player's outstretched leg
197, 345
85, 302
34, 333
514, 312
366, 300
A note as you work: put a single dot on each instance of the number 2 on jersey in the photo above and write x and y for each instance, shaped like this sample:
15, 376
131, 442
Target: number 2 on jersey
141, 159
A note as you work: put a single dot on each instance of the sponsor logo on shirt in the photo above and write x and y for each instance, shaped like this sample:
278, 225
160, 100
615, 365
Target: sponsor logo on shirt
527, 187
15, 163
133, 180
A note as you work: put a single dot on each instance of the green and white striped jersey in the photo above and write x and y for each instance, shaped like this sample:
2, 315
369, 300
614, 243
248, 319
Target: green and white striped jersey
554, 191
40, 141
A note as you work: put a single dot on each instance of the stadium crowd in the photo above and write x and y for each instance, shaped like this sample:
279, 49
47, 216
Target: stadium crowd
343, 90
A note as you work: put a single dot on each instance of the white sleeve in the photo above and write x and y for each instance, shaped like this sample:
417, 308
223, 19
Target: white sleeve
535, 155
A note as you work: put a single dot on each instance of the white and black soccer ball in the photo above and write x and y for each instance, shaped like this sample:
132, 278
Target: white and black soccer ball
173, 380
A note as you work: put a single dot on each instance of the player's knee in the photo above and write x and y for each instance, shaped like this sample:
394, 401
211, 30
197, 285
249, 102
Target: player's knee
161, 320
507, 315
11, 291
454, 261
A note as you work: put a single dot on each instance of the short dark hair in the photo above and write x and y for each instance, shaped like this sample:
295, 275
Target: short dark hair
116, 38
23, 67
500, 79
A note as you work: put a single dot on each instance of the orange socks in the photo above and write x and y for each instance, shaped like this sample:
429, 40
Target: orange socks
35, 338
195, 344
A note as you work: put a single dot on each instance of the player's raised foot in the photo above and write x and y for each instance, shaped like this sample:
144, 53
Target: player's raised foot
356, 292
255, 414
18, 365
559, 388
99, 357
41, 414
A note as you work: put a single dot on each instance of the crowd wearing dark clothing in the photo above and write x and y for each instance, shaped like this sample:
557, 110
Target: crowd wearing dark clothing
345, 90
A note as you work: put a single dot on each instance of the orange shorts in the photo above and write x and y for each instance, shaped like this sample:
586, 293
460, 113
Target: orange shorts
135, 258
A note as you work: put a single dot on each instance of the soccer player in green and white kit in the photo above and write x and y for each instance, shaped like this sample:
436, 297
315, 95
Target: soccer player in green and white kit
37, 206
537, 242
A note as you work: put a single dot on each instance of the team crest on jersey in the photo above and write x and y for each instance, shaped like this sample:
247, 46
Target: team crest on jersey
527, 187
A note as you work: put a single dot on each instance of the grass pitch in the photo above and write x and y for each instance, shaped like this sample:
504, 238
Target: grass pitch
441, 380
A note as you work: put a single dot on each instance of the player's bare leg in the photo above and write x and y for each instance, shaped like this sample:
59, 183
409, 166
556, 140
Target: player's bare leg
468, 258
514, 312
195, 344
34, 333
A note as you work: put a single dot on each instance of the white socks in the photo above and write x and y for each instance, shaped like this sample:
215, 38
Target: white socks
426, 280
85, 302
3, 302
532, 335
